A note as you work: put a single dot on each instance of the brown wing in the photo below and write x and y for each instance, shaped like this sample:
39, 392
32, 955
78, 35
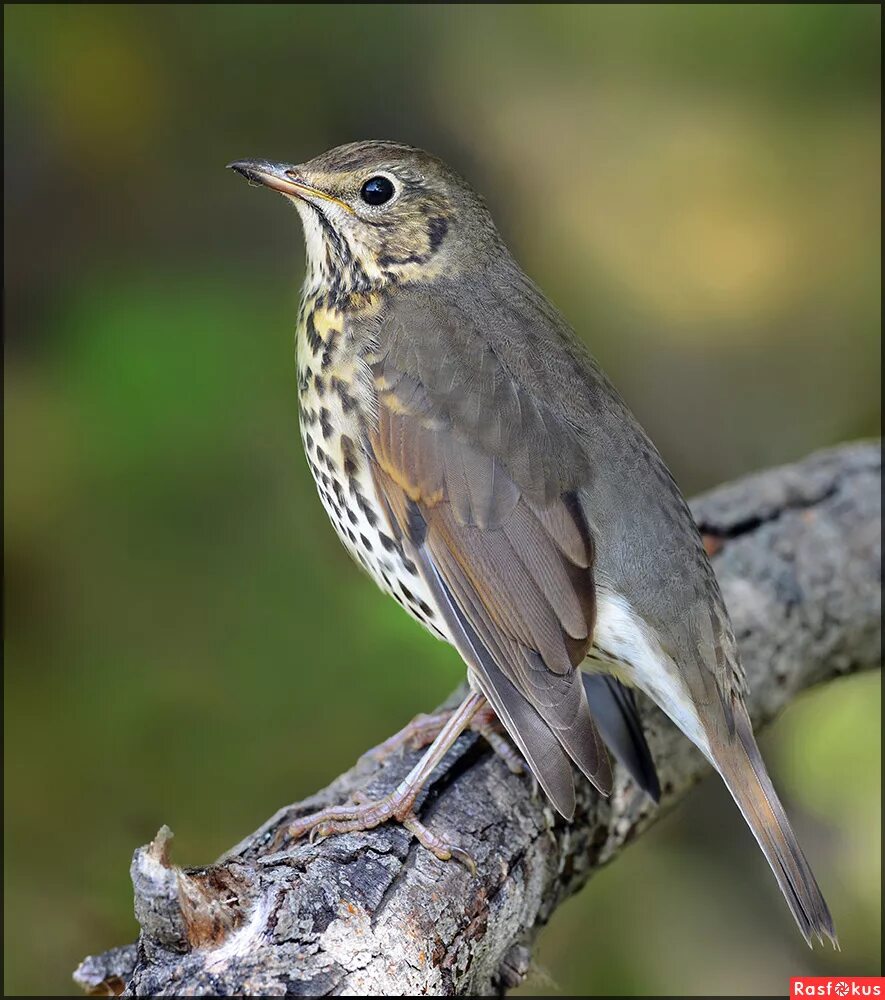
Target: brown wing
511, 567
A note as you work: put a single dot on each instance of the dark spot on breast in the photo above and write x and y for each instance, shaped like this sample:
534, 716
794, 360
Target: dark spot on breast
367, 545
339, 492
314, 340
340, 388
348, 451
425, 607
319, 384
409, 566
329, 351
325, 422
367, 509
387, 542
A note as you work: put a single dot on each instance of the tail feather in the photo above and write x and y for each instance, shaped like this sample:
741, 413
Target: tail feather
613, 707
743, 770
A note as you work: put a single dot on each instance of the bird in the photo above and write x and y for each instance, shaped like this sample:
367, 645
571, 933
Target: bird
475, 459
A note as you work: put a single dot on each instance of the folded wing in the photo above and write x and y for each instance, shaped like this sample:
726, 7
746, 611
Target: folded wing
508, 557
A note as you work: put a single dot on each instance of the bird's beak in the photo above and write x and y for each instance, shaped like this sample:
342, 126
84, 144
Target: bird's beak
283, 178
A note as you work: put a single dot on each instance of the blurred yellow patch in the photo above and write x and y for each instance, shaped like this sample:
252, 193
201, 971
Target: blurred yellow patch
705, 211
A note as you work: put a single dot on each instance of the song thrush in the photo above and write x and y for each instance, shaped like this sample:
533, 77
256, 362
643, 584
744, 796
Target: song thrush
478, 463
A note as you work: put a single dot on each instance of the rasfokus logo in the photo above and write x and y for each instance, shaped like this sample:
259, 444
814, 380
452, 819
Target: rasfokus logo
837, 986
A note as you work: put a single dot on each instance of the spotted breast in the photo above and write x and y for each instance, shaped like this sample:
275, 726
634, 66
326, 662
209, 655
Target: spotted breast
333, 386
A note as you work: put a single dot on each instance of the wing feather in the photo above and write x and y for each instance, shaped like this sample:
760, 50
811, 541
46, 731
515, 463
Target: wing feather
518, 576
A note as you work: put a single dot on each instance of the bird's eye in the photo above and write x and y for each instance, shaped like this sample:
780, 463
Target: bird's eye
377, 190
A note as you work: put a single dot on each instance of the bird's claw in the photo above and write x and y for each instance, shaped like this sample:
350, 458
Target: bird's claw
364, 814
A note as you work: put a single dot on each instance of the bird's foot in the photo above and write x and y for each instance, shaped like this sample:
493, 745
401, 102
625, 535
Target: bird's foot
399, 805
424, 729
364, 814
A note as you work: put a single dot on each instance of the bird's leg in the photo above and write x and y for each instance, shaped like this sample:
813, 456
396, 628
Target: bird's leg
424, 729
489, 727
399, 804
415, 735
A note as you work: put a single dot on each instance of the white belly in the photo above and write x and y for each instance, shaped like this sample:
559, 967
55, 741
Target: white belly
621, 638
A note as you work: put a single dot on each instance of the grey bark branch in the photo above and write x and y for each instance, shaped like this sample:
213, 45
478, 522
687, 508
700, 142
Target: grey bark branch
798, 552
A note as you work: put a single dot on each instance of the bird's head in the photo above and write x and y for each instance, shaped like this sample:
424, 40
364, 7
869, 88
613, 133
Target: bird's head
376, 213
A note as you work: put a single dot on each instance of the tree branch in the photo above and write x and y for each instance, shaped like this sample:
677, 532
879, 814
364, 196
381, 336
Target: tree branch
798, 553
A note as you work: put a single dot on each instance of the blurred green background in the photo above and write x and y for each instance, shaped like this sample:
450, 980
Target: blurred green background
696, 186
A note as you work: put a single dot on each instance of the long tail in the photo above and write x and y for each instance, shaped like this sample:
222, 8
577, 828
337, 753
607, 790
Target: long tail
743, 771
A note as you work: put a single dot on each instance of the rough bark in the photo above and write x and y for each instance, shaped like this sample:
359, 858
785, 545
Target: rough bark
798, 552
